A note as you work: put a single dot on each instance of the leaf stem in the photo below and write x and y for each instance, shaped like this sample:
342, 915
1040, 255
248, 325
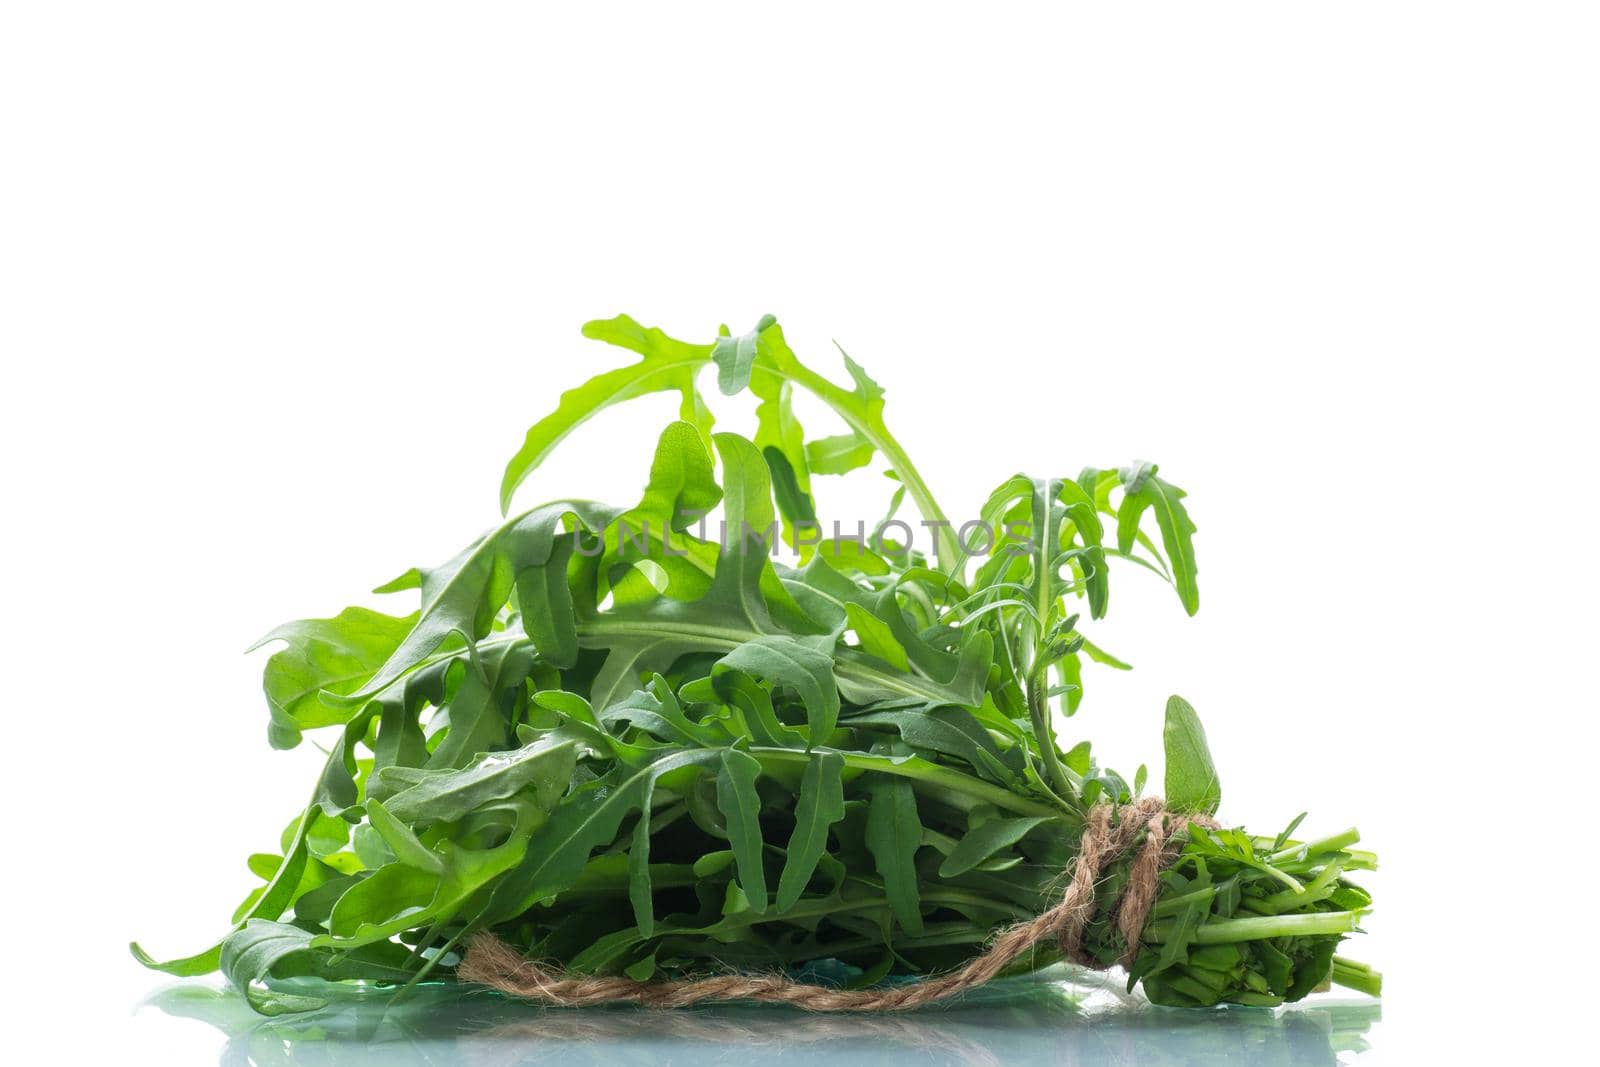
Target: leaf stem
1335, 843
1358, 976
943, 778
930, 895
1044, 733
1261, 927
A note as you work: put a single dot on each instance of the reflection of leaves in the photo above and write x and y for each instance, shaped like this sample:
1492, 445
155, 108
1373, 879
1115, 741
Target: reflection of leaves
1008, 1022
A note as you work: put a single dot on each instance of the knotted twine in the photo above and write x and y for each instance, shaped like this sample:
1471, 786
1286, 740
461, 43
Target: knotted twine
1108, 833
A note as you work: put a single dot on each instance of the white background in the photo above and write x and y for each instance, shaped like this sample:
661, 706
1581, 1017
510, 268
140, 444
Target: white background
282, 285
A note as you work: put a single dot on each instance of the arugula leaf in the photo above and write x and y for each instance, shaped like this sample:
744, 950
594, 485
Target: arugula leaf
877, 636
737, 799
641, 892
336, 655
1191, 783
585, 821
664, 365
800, 663
408, 849
422, 797
948, 731
462, 598
894, 833
839, 454
820, 805
982, 842
260, 950
1145, 490
735, 357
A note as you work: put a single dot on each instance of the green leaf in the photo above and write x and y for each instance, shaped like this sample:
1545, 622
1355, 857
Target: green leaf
1077, 759
462, 598
1191, 782
476, 713
779, 435
667, 364
545, 602
398, 897
794, 503
658, 711
820, 805
583, 822
876, 637
682, 486
894, 833
739, 804
337, 655
867, 391
950, 731
185, 967
262, 949
983, 841
1144, 490
736, 356
643, 556
840, 454
752, 714
401, 841
389, 897
646, 638
1101, 656
664, 365
802, 664
422, 797
641, 894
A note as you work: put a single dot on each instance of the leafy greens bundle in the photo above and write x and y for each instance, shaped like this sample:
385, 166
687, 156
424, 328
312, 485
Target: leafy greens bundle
630, 746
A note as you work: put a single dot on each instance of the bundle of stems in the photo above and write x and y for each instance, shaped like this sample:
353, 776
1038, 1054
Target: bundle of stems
699, 733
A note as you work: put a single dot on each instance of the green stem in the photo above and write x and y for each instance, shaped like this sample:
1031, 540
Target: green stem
1044, 733
1311, 848
1262, 927
1172, 905
1358, 976
1314, 890
925, 773
975, 900
963, 934
1038, 678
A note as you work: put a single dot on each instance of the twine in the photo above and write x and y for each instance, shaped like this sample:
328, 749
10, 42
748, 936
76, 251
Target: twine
1108, 834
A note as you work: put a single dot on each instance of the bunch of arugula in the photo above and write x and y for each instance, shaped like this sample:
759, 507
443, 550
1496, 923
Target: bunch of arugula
628, 746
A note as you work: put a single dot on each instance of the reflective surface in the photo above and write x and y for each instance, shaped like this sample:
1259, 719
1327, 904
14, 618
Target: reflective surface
1026, 1021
